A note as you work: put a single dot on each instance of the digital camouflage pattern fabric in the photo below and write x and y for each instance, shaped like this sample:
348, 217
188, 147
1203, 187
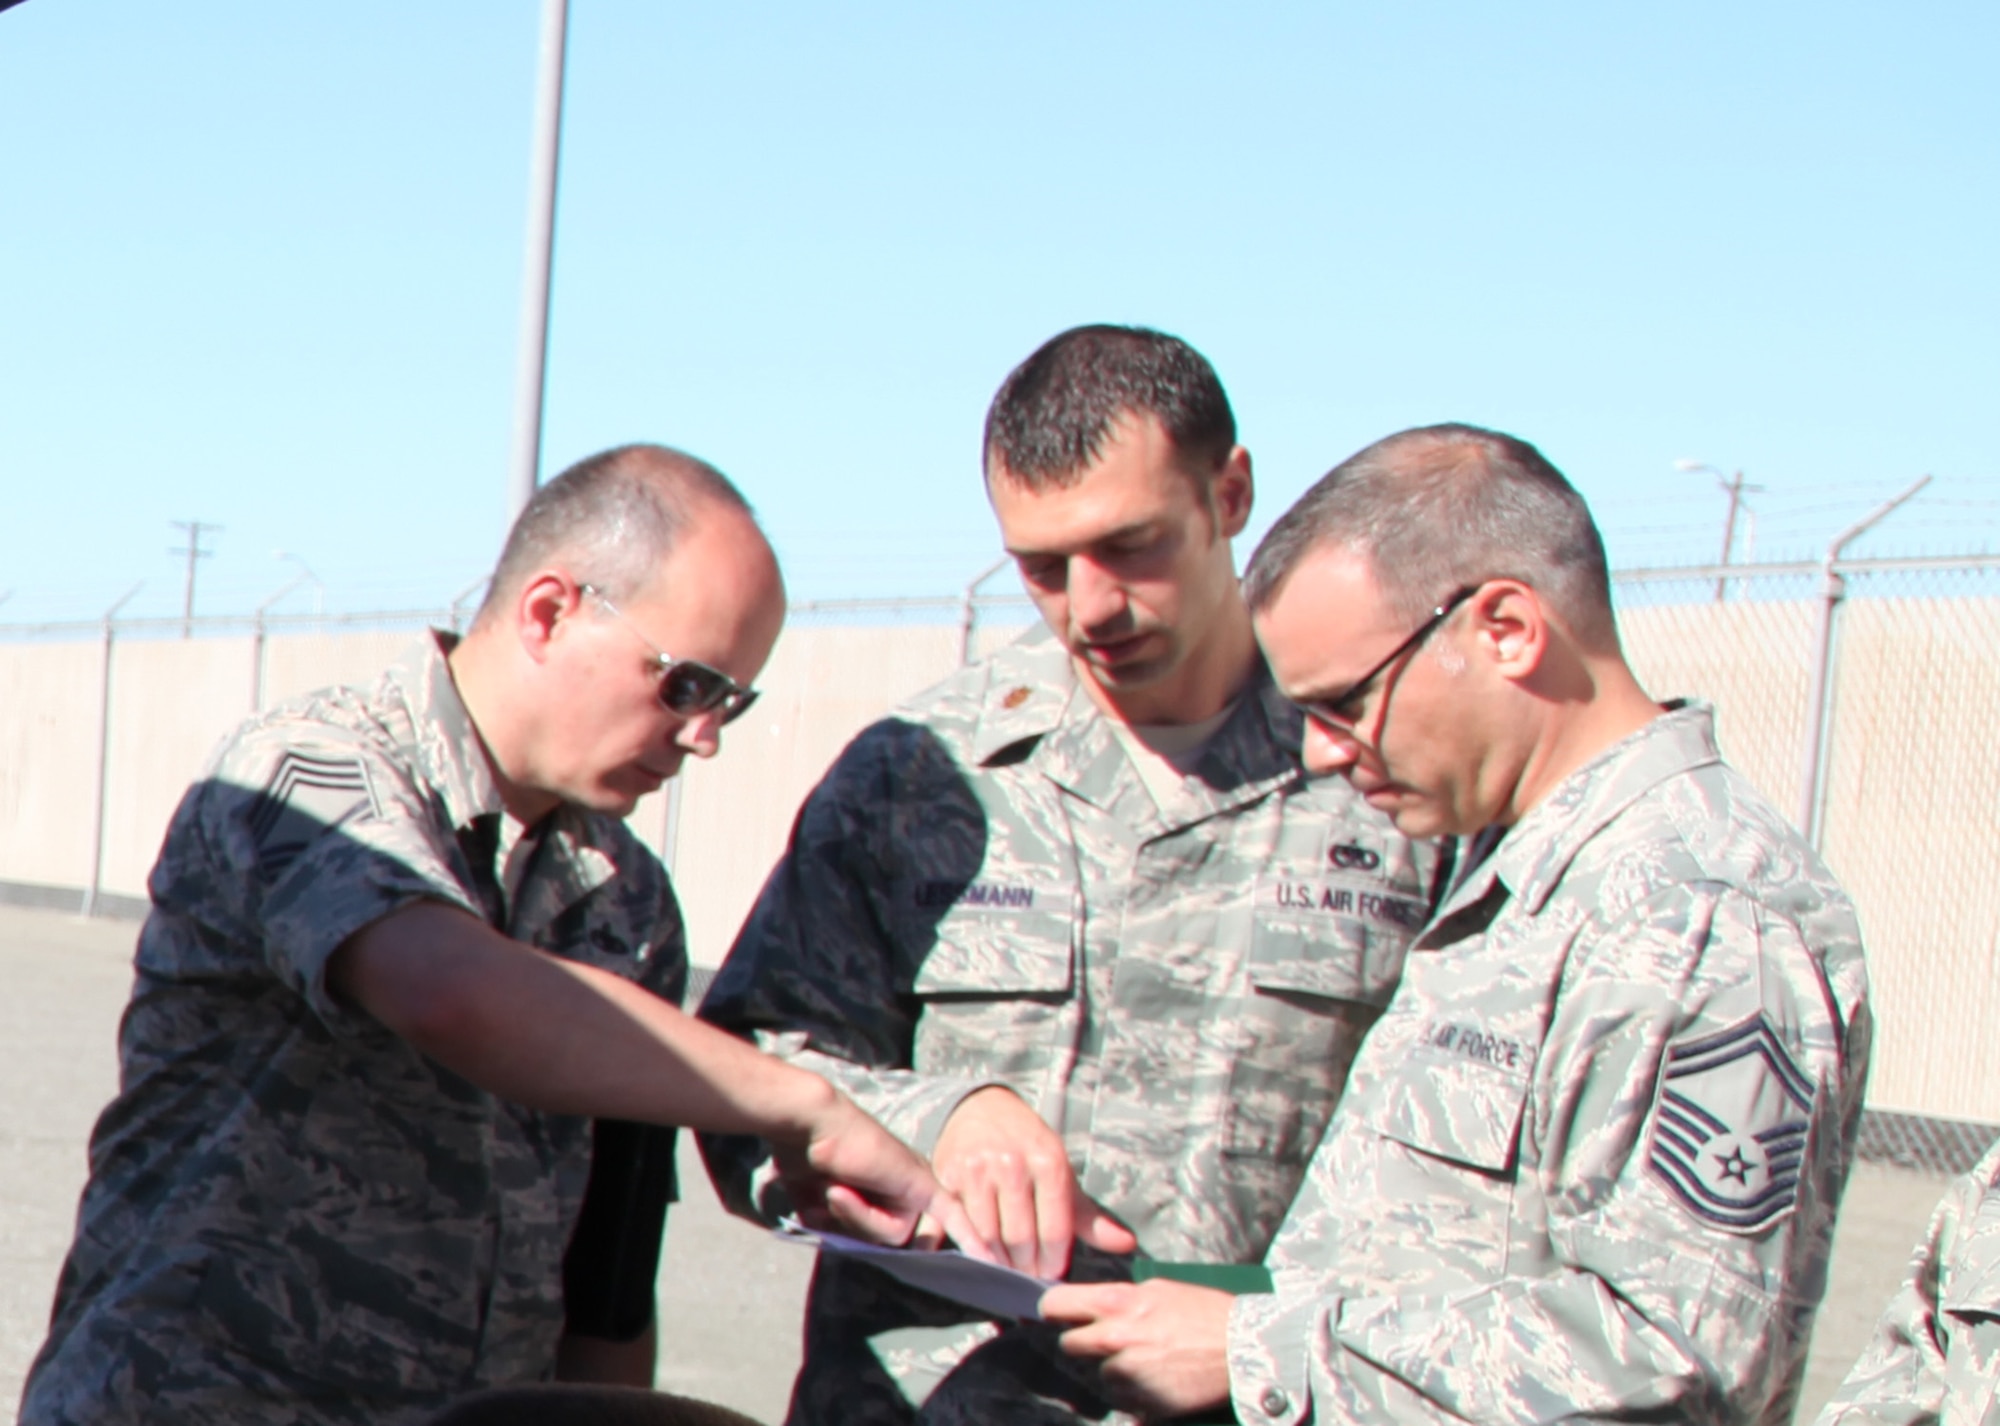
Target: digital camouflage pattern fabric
293, 1216
1935, 1359
1589, 1159
982, 891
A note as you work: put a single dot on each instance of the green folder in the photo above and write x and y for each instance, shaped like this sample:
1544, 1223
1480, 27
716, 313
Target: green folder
1236, 1278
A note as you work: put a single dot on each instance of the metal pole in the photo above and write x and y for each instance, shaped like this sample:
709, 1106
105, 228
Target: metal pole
968, 612
103, 754
1733, 488
1833, 588
532, 361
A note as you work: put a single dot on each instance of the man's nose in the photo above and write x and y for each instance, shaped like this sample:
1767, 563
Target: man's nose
1327, 749
701, 735
1095, 597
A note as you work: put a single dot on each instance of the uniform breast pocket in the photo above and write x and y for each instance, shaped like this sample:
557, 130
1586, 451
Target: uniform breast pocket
1458, 1125
997, 976
1317, 980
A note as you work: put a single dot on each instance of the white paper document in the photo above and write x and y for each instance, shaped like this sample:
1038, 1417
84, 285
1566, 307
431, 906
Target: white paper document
1004, 1292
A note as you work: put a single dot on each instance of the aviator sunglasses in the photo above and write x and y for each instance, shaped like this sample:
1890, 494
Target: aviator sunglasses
688, 688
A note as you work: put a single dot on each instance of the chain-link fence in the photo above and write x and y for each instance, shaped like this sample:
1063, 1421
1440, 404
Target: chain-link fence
102, 725
1893, 662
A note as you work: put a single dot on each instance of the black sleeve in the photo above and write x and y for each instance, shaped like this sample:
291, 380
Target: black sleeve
614, 1254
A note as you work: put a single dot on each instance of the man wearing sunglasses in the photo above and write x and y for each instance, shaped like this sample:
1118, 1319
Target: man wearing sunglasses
403, 951
1074, 922
1588, 1161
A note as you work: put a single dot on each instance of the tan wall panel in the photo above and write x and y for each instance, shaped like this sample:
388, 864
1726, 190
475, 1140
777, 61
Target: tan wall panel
823, 685
295, 664
48, 760
172, 701
1913, 777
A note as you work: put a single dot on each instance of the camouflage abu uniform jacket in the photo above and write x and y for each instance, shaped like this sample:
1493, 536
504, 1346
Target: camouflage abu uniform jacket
1935, 1360
1588, 1162
292, 1215
982, 891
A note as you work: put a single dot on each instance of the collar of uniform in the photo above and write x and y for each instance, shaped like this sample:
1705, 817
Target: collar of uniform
1029, 686
572, 860
1032, 691
1532, 858
1252, 753
448, 745
572, 863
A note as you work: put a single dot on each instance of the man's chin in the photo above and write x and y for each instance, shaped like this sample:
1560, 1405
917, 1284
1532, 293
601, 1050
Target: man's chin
622, 800
1413, 814
1143, 669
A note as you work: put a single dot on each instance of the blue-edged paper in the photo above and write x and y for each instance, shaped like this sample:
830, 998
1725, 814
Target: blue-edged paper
988, 1287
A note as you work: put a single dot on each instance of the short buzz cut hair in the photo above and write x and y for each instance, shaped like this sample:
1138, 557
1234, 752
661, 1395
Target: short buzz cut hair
1439, 508
611, 519
1053, 414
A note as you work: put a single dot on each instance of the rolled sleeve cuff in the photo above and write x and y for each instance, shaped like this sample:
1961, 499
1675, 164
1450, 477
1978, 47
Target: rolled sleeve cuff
1270, 1339
303, 937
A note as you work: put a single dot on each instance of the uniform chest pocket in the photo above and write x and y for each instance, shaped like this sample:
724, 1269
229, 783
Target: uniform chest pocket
998, 972
1454, 1132
1318, 980
1465, 1113
1314, 937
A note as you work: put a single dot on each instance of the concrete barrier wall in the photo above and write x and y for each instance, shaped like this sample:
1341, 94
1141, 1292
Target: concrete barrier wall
49, 696
1912, 783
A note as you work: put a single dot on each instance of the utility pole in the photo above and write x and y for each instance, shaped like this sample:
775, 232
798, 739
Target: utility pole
1734, 487
194, 552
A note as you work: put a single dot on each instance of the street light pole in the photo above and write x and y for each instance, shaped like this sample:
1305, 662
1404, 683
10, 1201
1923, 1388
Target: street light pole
306, 572
531, 367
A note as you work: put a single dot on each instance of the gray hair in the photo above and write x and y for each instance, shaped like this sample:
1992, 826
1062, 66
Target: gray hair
611, 519
1439, 508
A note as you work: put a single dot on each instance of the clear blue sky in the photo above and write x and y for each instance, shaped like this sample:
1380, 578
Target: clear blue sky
260, 264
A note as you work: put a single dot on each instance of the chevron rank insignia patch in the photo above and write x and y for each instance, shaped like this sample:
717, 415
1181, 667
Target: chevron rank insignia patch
1730, 1126
305, 796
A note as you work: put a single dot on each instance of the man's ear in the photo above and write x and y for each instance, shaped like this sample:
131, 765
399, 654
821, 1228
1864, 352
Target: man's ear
1230, 492
1510, 627
546, 599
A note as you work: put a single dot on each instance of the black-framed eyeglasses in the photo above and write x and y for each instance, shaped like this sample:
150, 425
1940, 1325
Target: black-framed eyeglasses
688, 687
1343, 708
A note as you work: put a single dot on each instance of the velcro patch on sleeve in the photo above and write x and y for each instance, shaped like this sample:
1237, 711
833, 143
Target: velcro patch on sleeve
1730, 1127
306, 795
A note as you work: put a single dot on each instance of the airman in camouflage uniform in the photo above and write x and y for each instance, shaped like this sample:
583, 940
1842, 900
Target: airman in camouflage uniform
389, 981
1935, 1360
297, 1212
1588, 1161
983, 891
